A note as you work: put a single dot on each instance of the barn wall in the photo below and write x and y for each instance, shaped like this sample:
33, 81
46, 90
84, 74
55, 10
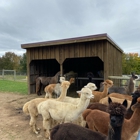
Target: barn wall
114, 63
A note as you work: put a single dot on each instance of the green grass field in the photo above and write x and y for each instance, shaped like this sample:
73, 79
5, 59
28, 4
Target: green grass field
13, 86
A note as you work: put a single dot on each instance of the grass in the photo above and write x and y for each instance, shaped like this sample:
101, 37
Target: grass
13, 86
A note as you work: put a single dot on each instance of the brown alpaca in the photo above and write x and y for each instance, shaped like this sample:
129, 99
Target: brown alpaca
99, 95
44, 81
98, 121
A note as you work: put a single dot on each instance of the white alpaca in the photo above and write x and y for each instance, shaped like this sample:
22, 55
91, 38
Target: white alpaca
62, 111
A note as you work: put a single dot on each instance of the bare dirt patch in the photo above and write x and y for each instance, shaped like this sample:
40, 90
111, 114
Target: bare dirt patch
14, 124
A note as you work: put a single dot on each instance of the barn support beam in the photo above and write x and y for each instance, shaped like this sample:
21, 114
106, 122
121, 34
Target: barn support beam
61, 69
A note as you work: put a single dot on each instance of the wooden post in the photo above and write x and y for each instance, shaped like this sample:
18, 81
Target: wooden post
61, 70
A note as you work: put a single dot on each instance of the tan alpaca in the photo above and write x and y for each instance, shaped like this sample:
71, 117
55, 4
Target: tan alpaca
105, 101
99, 95
30, 107
121, 96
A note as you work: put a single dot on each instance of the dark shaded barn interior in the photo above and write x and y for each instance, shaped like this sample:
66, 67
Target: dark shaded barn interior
98, 54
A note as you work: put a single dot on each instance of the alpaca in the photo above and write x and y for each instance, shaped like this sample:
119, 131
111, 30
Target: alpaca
131, 84
129, 111
130, 126
103, 107
62, 111
44, 81
30, 107
105, 101
89, 85
99, 95
54, 88
120, 96
70, 131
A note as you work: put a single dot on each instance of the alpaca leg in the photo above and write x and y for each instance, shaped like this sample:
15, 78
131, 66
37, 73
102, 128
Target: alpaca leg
33, 124
38, 86
91, 126
47, 95
47, 127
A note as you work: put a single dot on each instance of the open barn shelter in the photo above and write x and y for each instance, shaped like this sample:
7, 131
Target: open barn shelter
97, 54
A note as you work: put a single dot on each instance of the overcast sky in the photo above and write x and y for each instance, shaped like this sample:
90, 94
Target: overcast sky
29, 21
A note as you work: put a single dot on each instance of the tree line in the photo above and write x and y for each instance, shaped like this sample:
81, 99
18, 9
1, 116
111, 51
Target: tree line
11, 61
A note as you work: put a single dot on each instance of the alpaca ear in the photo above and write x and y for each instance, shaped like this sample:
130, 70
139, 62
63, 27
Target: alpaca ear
125, 103
109, 100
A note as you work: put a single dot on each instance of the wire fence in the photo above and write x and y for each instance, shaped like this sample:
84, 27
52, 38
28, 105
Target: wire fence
13, 75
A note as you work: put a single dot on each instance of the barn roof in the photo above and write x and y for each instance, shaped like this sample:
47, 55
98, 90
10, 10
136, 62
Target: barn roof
71, 40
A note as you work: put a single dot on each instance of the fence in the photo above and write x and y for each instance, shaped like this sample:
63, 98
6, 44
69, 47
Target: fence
123, 80
13, 75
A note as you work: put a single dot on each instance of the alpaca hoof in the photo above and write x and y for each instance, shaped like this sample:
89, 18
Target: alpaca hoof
38, 129
36, 132
47, 135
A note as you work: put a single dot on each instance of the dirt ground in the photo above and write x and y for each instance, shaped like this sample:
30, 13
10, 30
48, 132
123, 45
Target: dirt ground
14, 124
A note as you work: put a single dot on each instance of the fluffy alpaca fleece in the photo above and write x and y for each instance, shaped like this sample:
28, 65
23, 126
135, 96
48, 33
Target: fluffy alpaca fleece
54, 88
130, 126
105, 101
61, 111
99, 95
30, 108
70, 131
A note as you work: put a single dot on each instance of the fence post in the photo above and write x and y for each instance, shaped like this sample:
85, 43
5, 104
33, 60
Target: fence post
14, 75
3, 74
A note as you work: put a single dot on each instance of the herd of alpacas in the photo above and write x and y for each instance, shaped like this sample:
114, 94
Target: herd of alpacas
95, 115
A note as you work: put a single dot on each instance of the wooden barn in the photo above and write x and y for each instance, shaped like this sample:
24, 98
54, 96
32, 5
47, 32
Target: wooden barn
97, 54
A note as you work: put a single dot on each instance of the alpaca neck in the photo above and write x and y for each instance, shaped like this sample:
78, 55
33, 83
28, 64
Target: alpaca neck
105, 92
129, 111
134, 121
62, 95
83, 103
114, 133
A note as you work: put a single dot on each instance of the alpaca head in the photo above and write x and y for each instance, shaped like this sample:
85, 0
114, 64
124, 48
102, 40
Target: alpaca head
108, 83
65, 84
72, 80
134, 77
61, 79
137, 105
91, 86
117, 112
86, 92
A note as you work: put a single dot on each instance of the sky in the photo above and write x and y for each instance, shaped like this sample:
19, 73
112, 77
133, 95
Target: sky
30, 21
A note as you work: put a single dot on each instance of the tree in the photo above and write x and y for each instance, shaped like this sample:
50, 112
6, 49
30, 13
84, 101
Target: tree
10, 61
23, 62
130, 63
